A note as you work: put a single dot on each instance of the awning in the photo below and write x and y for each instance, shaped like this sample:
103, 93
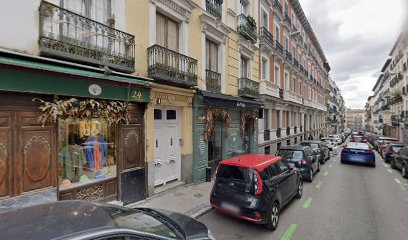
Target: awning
25, 73
221, 100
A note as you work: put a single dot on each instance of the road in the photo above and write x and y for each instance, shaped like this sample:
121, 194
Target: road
343, 202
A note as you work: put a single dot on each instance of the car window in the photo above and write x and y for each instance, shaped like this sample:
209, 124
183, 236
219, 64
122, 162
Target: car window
274, 170
396, 148
290, 154
314, 145
283, 166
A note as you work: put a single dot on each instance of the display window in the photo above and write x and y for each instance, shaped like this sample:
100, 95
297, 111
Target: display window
86, 152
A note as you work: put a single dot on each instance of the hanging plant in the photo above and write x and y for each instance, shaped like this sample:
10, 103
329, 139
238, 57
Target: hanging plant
213, 114
113, 111
246, 116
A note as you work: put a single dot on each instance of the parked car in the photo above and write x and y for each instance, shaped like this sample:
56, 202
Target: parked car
303, 157
390, 150
359, 153
330, 142
337, 138
400, 161
383, 145
255, 187
358, 138
379, 140
320, 147
91, 220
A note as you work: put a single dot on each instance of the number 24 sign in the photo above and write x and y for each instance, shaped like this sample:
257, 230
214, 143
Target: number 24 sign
137, 94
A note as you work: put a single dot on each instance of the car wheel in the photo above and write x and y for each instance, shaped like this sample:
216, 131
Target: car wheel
318, 166
273, 217
404, 172
392, 163
323, 160
299, 190
310, 179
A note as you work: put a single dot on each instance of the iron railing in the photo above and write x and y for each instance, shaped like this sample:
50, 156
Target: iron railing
278, 132
280, 93
287, 19
247, 27
296, 63
248, 88
278, 6
288, 56
288, 131
213, 81
214, 7
295, 129
267, 135
278, 47
266, 36
170, 66
294, 29
68, 35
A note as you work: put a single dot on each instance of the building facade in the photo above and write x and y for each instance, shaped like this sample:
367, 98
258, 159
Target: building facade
355, 119
293, 77
336, 109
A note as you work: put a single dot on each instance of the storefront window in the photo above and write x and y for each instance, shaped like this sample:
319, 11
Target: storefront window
86, 152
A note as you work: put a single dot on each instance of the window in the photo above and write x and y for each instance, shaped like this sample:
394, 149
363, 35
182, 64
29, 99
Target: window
267, 150
98, 10
300, 88
273, 170
86, 152
277, 75
294, 85
157, 114
264, 69
277, 33
278, 116
294, 51
265, 19
287, 81
167, 32
171, 114
286, 42
266, 119
211, 55
286, 9
245, 7
244, 67
293, 18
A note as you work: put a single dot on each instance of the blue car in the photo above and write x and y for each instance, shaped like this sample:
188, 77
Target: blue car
358, 152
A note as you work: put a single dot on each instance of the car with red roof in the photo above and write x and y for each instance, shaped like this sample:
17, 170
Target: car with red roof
255, 187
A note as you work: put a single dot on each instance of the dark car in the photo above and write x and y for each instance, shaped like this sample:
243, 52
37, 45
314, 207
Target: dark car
390, 150
358, 138
384, 144
380, 139
303, 157
87, 220
358, 153
400, 161
255, 187
320, 147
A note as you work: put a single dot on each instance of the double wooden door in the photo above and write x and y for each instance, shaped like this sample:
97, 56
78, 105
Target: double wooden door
27, 153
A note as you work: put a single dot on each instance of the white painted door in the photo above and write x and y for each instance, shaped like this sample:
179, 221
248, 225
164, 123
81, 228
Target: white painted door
167, 145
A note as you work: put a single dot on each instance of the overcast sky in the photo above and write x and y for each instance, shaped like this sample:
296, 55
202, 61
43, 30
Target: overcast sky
356, 36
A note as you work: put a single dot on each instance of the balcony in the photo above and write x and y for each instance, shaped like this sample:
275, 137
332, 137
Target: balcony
292, 97
267, 135
295, 63
294, 29
288, 56
287, 20
266, 37
278, 133
278, 47
268, 88
248, 88
288, 131
214, 7
165, 65
247, 27
280, 93
70, 36
213, 81
277, 7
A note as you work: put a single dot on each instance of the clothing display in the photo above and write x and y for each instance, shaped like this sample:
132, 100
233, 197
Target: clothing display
96, 151
73, 160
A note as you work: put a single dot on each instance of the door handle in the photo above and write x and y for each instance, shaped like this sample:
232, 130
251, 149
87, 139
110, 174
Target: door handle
157, 164
171, 141
157, 143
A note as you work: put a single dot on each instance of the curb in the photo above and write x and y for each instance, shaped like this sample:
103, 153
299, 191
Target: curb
202, 212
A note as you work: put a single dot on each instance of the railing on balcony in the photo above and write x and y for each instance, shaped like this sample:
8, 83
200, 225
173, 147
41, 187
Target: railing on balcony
266, 36
288, 131
213, 81
278, 47
287, 19
294, 29
278, 133
288, 56
295, 63
267, 135
67, 35
170, 66
278, 6
214, 7
280, 93
248, 88
247, 27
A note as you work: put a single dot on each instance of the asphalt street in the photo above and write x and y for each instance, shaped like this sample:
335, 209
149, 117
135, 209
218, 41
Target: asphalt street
343, 202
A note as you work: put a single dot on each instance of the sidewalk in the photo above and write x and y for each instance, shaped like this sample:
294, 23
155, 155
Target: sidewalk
191, 199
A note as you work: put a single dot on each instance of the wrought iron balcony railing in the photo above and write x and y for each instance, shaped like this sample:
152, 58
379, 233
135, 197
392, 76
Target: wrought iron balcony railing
266, 36
288, 56
165, 65
287, 20
213, 81
278, 6
68, 35
295, 63
267, 135
294, 29
278, 132
288, 131
248, 88
247, 27
214, 7
278, 47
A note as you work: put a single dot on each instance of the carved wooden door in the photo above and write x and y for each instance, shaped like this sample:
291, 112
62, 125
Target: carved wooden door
35, 161
132, 139
5, 154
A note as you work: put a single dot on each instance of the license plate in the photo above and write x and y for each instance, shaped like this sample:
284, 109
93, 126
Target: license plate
230, 207
359, 151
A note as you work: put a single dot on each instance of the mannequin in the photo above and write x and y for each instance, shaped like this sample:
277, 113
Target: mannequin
96, 151
73, 158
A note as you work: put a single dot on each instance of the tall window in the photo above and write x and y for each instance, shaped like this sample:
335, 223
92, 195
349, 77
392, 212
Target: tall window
244, 67
286, 9
294, 50
167, 32
264, 69
265, 19
277, 75
293, 18
287, 81
266, 119
277, 33
245, 7
211, 55
287, 43
98, 10
278, 118
294, 85
300, 87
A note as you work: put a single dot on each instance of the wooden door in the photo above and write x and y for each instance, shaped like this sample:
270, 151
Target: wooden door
5, 154
34, 162
132, 139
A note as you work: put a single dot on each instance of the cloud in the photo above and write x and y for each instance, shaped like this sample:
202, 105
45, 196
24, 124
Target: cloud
356, 36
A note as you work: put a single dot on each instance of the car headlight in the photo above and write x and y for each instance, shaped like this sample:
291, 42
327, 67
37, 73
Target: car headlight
210, 236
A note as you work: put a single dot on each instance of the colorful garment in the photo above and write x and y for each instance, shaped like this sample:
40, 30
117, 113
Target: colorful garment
96, 151
73, 159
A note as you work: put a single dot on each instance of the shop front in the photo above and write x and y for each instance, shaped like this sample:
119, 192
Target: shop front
77, 133
223, 126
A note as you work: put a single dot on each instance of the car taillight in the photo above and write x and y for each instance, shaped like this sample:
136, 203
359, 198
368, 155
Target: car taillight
302, 162
345, 150
364, 141
369, 151
352, 140
258, 183
393, 152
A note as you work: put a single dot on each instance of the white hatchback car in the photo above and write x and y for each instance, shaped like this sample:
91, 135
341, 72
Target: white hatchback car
330, 142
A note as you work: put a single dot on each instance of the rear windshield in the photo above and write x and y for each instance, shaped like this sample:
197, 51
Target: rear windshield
312, 145
396, 148
228, 172
290, 154
328, 140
